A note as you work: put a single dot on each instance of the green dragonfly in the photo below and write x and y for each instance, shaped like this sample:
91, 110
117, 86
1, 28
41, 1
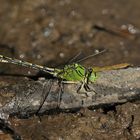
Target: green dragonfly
72, 73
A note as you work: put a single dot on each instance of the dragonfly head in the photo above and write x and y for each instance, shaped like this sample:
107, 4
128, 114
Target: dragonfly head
92, 75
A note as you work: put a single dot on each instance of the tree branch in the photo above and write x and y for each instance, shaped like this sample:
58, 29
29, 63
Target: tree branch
23, 96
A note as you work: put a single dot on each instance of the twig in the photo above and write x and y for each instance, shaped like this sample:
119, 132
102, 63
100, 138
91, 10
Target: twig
23, 96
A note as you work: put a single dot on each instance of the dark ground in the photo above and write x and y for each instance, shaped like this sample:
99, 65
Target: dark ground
49, 33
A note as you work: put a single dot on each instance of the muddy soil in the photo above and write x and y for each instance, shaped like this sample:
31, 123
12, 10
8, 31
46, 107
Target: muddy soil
51, 33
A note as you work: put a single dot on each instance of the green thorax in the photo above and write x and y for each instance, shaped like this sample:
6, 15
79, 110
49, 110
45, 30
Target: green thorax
76, 72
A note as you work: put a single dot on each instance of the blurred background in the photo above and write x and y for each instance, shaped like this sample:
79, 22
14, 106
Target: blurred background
51, 33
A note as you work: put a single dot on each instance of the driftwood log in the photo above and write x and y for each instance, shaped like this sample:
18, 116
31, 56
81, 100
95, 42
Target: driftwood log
24, 96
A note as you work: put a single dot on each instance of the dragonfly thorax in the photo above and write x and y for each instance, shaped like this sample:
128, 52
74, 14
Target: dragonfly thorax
77, 72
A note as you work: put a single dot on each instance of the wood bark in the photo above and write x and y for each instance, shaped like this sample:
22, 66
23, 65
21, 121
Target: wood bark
23, 96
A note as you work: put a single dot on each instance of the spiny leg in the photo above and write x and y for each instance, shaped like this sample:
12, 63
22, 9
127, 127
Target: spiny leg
46, 91
74, 82
83, 88
85, 82
60, 92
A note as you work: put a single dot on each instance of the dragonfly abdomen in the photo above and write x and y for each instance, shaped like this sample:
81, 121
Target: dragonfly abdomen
5, 59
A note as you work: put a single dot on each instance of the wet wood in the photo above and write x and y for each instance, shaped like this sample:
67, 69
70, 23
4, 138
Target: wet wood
23, 96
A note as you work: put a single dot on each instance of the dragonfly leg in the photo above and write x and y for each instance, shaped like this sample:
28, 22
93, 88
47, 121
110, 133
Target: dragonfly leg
46, 90
81, 89
84, 88
60, 92
84, 84
70, 82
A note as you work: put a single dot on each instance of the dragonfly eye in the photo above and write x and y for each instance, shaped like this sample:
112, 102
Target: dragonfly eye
90, 70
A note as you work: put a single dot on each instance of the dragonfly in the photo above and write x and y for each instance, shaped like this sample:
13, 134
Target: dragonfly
71, 73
